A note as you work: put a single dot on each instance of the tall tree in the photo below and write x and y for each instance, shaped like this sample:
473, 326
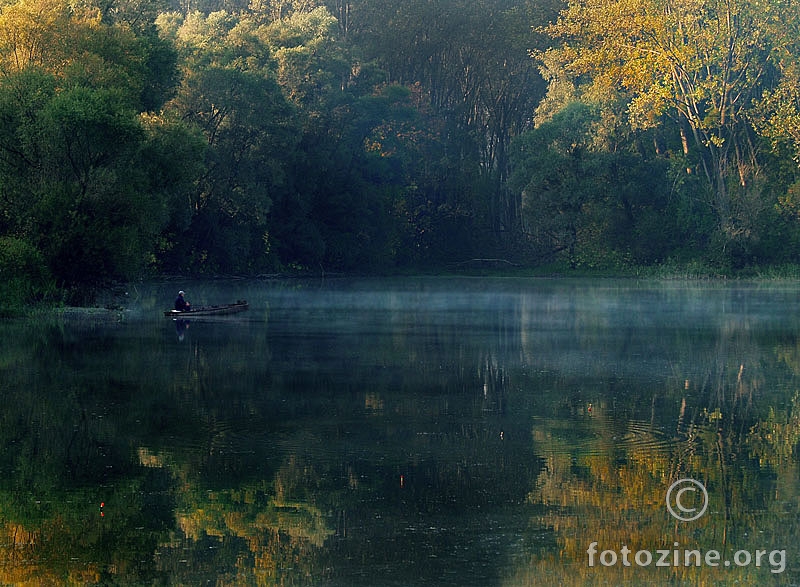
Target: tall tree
699, 66
73, 171
471, 59
250, 133
230, 94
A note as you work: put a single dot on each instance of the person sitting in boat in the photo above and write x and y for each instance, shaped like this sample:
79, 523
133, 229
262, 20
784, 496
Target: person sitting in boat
181, 304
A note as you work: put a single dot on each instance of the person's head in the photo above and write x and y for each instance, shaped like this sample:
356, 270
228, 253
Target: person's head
180, 294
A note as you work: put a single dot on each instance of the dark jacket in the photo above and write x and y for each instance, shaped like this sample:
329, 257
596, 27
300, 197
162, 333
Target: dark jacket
181, 304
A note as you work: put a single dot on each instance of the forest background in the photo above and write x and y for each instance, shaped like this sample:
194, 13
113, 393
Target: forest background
142, 137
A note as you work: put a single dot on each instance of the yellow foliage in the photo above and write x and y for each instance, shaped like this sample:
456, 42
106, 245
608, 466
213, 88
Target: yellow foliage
42, 33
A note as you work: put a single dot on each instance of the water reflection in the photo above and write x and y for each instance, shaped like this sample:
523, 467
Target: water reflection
180, 327
456, 431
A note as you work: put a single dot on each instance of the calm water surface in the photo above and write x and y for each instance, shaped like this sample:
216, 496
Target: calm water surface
458, 431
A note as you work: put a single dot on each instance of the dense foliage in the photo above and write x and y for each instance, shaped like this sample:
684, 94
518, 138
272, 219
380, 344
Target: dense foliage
707, 87
218, 137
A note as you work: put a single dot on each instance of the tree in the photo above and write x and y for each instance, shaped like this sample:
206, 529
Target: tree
230, 94
471, 61
309, 61
173, 159
75, 186
41, 33
595, 206
701, 67
250, 133
557, 175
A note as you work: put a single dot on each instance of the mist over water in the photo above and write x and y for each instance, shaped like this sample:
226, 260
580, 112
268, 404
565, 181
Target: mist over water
464, 431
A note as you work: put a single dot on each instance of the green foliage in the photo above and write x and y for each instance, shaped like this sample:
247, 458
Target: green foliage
172, 158
557, 174
363, 136
309, 62
251, 132
24, 277
79, 184
598, 209
707, 77
94, 214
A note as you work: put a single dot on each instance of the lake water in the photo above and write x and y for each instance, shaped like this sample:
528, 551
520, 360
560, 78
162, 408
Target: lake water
417, 431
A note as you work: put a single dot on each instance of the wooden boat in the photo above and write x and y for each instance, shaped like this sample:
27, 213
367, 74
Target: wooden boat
221, 310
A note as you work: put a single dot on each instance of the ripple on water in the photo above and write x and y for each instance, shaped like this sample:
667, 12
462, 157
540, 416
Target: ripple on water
601, 435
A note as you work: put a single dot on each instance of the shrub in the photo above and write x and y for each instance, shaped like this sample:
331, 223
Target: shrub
24, 278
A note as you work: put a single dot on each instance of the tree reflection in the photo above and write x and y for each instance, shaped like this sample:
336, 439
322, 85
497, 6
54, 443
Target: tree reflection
611, 488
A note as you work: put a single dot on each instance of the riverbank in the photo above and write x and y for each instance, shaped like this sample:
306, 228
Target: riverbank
668, 271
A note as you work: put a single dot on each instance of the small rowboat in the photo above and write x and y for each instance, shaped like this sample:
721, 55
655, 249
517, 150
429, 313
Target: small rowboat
222, 310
